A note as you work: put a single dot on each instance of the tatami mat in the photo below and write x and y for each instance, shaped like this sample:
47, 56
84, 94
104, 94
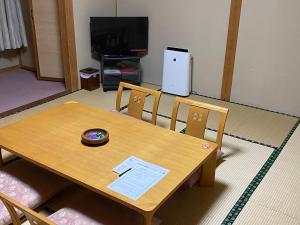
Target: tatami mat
278, 191
257, 214
247, 122
242, 161
255, 124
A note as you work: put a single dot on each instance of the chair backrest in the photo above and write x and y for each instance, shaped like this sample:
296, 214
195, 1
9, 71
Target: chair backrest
137, 100
33, 217
197, 118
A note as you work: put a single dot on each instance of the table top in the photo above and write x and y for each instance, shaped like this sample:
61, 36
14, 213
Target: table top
52, 140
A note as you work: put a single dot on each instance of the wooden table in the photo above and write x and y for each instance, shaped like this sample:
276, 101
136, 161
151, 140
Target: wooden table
52, 140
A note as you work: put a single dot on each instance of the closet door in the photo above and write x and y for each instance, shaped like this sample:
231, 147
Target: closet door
47, 39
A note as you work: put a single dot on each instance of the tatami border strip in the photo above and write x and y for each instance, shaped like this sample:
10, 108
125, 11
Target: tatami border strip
254, 107
225, 133
240, 204
242, 201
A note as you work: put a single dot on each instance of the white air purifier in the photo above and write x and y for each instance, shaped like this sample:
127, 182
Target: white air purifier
177, 72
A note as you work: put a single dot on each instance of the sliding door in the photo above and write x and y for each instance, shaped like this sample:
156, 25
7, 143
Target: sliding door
47, 39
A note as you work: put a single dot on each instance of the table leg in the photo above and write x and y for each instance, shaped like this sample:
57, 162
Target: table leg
208, 171
1, 159
148, 218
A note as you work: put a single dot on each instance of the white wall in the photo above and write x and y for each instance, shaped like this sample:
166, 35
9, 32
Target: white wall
199, 25
267, 70
9, 58
83, 10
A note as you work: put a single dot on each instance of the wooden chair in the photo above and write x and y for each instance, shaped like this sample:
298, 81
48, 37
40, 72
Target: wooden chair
97, 211
29, 184
33, 217
137, 100
197, 118
196, 124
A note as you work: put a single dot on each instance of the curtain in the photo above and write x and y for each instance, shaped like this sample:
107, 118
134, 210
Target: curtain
12, 28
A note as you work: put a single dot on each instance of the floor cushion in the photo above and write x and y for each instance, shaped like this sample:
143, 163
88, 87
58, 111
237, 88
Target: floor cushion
27, 184
89, 208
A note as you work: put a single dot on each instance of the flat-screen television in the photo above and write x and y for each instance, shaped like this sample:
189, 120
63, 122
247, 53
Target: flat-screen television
119, 36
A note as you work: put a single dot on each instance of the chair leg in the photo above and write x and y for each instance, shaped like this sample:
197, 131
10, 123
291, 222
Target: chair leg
13, 214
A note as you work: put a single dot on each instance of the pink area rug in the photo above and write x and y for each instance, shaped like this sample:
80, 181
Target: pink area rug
20, 87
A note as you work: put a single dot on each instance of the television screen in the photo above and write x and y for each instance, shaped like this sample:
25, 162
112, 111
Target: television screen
119, 35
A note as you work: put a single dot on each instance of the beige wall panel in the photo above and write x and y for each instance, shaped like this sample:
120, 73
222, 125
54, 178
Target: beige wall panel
9, 58
267, 62
27, 54
51, 58
83, 10
198, 25
48, 38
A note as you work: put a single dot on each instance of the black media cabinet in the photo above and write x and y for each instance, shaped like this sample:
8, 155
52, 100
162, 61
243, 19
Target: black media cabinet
119, 68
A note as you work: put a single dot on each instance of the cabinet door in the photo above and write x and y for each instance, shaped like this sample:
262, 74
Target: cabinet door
47, 39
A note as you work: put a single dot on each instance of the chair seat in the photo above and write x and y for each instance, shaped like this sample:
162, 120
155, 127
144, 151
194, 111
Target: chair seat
124, 113
91, 209
68, 216
27, 184
193, 179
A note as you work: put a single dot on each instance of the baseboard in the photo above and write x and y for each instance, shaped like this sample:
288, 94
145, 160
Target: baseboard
52, 79
28, 68
155, 84
6, 69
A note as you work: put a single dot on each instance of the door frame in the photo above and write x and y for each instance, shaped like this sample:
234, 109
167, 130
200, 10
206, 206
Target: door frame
68, 45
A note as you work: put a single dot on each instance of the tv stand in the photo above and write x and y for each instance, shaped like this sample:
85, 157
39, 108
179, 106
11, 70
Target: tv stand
115, 69
119, 55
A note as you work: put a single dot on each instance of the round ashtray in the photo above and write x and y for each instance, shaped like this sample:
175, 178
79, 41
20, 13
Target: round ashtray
95, 136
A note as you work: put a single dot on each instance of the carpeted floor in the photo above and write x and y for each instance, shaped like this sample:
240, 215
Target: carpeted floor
20, 87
